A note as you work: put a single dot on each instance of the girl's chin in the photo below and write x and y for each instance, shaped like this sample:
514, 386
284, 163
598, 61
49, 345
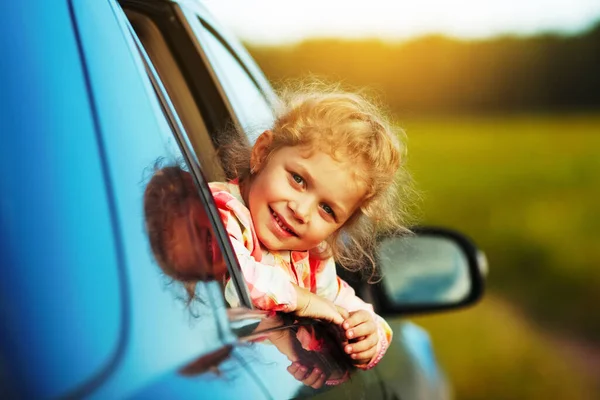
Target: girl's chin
271, 242
275, 244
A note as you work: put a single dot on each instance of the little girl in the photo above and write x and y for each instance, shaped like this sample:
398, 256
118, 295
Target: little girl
315, 188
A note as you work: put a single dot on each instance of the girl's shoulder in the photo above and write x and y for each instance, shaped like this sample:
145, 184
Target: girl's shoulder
226, 191
228, 200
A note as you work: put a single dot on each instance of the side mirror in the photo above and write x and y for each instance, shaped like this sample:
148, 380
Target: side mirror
432, 269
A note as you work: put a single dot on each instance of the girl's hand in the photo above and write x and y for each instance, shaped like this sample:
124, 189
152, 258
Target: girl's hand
361, 330
313, 377
313, 306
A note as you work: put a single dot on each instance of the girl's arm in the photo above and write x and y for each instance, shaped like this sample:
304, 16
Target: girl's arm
271, 289
343, 295
358, 309
311, 305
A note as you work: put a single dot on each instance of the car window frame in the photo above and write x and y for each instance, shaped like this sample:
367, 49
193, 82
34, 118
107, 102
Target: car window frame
251, 103
206, 197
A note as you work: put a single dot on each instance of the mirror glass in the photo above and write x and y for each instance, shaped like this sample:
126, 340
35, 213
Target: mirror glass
425, 270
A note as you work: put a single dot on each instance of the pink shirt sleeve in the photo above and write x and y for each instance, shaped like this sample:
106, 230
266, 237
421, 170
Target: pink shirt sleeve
332, 287
270, 287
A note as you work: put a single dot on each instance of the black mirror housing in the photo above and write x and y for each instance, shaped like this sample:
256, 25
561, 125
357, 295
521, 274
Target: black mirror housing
432, 269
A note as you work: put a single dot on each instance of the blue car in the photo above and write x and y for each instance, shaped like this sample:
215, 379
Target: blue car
93, 96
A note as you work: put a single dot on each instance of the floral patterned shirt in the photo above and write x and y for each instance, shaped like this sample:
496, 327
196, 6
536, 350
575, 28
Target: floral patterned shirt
270, 275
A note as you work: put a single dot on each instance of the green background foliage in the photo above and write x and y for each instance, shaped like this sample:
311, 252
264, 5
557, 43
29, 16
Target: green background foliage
439, 75
526, 188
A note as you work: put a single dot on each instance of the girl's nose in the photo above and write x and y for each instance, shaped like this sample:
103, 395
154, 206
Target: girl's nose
301, 210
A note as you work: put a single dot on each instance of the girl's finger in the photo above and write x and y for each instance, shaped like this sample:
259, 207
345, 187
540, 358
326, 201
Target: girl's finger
356, 319
343, 312
319, 381
364, 329
293, 368
301, 373
333, 315
313, 377
364, 356
369, 342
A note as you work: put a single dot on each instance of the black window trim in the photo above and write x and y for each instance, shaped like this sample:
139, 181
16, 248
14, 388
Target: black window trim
191, 60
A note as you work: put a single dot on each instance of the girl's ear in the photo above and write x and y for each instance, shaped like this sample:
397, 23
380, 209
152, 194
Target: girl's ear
260, 150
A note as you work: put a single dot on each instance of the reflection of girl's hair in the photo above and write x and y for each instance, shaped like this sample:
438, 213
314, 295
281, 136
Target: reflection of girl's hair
222, 364
177, 227
208, 362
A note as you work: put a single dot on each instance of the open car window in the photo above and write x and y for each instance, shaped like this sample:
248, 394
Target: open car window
249, 103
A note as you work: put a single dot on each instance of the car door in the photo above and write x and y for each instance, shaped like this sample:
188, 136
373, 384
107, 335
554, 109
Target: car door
60, 331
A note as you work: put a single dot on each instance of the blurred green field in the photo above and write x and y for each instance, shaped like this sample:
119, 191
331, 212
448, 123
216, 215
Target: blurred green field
493, 352
527, 189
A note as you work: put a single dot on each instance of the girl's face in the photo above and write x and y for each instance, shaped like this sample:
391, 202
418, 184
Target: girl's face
300, 197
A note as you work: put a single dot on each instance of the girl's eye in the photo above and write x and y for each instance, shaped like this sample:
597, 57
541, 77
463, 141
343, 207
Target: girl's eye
328, 210
297, 178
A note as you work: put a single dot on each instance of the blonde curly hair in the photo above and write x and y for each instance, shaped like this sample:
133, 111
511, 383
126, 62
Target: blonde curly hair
348, 127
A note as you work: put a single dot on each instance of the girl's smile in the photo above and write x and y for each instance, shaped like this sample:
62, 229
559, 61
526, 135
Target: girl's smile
281, 226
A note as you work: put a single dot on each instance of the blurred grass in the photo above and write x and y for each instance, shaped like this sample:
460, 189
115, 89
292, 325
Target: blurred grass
527, 189
492, 352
